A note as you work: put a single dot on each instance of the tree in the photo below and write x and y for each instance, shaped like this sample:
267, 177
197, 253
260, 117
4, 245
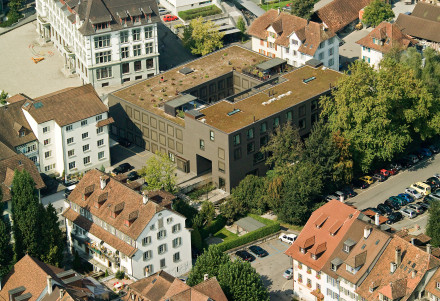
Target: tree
433, 227
53, 237
186, 209
285, 145
302, 8
380, 112
6, 252
159, 173
232, 209
376, 12
3, 97
207, 263
202, 37
196, 239
14, 11
240, 281
207, 212
251, 192
241, 25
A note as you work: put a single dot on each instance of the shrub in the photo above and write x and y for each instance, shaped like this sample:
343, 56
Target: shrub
199, 12
214, 227
196, 239
120, 275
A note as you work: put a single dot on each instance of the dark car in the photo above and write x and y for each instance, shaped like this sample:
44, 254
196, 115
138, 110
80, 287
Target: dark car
407, 197
379, 177
405, 163
392, 203
349, 192
416, 208
124, 142
433, 181
124, 167
133, 175
260, 252
434, 148
402, 201
385, 208
397, 166
424, 152
394, 217
245, 255
360, 184
425, 206
429, 199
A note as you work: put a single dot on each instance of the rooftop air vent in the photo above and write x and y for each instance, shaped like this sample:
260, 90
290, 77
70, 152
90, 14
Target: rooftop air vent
186, 70
308, 80
235, 111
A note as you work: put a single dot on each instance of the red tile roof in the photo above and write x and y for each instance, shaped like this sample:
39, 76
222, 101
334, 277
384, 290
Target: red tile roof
340, 216
431, 287
387, 37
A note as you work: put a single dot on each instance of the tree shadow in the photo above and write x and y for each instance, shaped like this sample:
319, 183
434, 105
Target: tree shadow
422, 164
267, 282
280, 295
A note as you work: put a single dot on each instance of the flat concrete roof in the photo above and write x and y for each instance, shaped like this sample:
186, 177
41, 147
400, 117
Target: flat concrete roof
290, 92
249, 224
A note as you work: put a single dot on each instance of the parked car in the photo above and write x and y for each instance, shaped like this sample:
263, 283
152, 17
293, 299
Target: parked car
435, 195
433, 181
405, 163
414, 193
416, 208
423, 205
122, 168
330, 197
360, 184
429, 199
412, 158
394, 217
393, 170
133, 175
349, 192
259, 251
409, 213
367, 179
397, 166
402, 201
384, 172
340, 194
391, 202
245, 255
422, 188
162, 11
289, 238
68, 190
124, 142
385, 208
437, 175
424, 152
168, 18
379, 177
434, 148
288, 274
407, 197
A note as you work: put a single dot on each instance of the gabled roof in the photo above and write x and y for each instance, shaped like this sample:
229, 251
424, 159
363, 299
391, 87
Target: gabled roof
339, 13
338, 214
431, 287
419, 27
387, 36
426, 11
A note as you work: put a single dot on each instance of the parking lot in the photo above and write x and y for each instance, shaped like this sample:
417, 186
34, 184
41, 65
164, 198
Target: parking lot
272, 267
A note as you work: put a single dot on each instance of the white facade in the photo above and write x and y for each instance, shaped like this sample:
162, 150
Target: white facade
175, 6
371, 56
104, 58
31, 151
169, 251
73, 148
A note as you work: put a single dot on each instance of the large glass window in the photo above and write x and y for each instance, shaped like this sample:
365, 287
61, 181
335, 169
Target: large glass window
102, 41
137, 65
125, 52
250, 133
124, 36
103, 57
148, 32
136, 34
263, 128
105, 72
236, 139
137, 50
148, 48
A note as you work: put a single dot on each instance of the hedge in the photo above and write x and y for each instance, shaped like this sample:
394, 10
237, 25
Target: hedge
218, 224
271, 227
199, 12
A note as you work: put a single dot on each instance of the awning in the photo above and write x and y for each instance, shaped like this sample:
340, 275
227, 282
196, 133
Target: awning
105, 122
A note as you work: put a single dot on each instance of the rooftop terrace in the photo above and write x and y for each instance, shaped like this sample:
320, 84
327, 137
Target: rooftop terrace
151, 94
298, 85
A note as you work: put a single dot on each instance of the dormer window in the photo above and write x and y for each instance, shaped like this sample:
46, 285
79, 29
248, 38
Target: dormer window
116, 210
131, 218
21, 133
438, 285
302, 250
335, 263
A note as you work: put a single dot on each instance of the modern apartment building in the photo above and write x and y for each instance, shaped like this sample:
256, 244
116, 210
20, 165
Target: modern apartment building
104, 42
297, 40
116, 228
214, 114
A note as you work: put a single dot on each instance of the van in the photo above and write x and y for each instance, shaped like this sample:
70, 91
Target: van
422, 188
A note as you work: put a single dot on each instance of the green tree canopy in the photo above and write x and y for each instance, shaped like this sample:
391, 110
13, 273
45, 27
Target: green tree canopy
159, 173
302, 8
380, 112
376, 12
53, 237
251, 192
232, 209
240, 281
433, 227
241, 25
207, 263
207, 212
6, 252
202, 37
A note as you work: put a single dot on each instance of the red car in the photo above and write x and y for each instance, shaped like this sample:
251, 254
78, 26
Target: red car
168, 18
385, 173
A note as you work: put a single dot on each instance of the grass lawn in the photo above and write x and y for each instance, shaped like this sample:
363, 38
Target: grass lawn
275, 5
291, 227
225, 234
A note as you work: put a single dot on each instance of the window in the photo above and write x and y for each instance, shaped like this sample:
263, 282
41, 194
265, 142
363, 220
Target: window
46, 129
221, 166
136, 34
263, 128
438, 285
152, 227
72, 165
46, 141
211, 135
202, 144
69, 140
302, 124
48, 154
100, 130
123, 35
258, 157
148, 255
137, 50
71, 153
105, 72
46, 168
102, 41
330, 52
276, 122
150, 63
146, 240
148, 270
149, 48
103, 57
321, 56
161, 234
148, 32
85, 135
330, 41
177, 242
314, 105
300, 278
237, 153
176, 228
302, 111
86, 160
162, 249
289, 116
69, 128
333, 267
84, 122
236, 139
263, 141
100, 142
176, 257
250, 147
294, 42
331, 62
125, 68
250, 133
100, 155
86, 148
125, 53
162, 263
309, 282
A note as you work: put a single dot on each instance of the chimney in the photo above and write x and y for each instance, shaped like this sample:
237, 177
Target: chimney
103, 182
413, 274
367, 231
279, 11
49, 284
413, 241
341, 198
145, 197
398, 255
428, 250
376, 219
205, 277
393, 267
61, 293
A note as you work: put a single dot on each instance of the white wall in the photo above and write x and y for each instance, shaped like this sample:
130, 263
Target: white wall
371, 56
180, 5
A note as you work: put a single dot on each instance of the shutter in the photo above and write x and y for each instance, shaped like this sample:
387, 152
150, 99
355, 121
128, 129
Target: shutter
267, 44
275, 47
261, 42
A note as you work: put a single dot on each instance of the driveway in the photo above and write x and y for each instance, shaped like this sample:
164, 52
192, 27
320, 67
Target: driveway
350, 51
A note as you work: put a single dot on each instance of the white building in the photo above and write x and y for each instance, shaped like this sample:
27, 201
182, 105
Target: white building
116, 228
278, 34
381, 40
71, 128
105, 42
175, 6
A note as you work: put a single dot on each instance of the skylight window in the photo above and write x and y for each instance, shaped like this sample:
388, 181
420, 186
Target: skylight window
235, 111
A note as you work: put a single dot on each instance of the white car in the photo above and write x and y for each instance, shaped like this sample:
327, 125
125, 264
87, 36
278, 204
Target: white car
408, 212
289, 238
288, 273
414, 193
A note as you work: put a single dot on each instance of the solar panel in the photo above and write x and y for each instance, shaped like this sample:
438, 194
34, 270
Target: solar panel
186, 70
307, 80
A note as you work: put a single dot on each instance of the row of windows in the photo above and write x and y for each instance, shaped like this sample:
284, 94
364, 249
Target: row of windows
86, 160
162, 233
106, 56
83, 123
149, 269
163, 248
136, 34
